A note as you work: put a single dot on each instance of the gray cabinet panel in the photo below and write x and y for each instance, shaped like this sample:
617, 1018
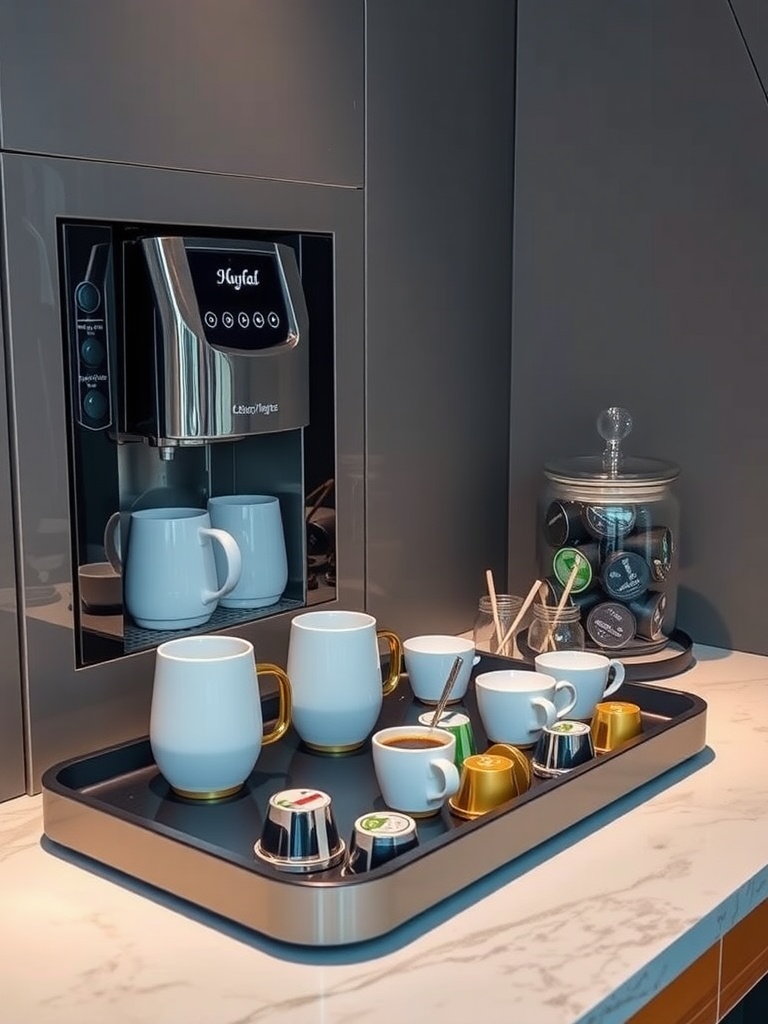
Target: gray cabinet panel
641, 245
272, 88
11, 731
438, 202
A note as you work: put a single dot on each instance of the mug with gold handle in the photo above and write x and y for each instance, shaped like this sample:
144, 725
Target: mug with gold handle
206, 726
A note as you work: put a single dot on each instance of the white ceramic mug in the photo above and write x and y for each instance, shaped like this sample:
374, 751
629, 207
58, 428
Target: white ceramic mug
594, 675
169, 577
429, 660
515, 705
415, 779
333, 665
255, 522
206, 728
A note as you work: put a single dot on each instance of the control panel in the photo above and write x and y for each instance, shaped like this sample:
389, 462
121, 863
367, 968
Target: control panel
241, 297
87, 266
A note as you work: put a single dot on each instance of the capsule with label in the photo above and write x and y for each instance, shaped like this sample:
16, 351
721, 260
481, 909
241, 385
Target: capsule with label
611, 625
625, 575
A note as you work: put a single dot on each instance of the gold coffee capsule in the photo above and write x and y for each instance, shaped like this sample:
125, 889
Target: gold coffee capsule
487, 780
614, 722
521, 766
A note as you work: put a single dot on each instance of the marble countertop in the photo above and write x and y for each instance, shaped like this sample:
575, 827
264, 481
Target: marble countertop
586, 928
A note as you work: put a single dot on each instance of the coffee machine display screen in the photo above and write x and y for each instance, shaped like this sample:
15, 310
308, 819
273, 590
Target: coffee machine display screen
240, 297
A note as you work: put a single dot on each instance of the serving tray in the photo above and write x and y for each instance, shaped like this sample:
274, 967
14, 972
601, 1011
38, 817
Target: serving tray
115, 807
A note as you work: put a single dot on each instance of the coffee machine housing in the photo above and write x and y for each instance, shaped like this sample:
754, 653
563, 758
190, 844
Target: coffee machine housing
217, 351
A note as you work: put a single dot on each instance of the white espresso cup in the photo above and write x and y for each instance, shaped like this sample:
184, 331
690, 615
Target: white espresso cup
429, 660
415, 768
206, 728
594, 676
169, 575
255, 522
515, 705
335, 673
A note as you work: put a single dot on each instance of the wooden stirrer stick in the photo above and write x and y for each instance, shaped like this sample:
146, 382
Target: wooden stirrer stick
519, 617
494, 607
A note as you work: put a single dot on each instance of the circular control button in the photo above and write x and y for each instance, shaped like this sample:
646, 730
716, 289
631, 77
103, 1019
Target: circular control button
258, 319
95, 404
243, 319
273, 319
87, 297
227, 319
92, 352
210, 319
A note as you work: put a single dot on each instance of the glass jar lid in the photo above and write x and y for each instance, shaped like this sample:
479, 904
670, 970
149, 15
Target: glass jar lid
613, 425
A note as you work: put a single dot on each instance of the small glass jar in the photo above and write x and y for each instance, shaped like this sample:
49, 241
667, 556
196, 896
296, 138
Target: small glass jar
485, 636
556, 631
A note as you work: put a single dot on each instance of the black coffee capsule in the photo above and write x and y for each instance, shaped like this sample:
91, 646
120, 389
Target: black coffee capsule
656, 547
625, 575
551, 591
611, 624
607, 521
587, 599
563, 524
649, 613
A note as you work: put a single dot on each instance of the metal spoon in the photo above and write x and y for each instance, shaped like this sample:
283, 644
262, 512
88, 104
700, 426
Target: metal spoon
455, 669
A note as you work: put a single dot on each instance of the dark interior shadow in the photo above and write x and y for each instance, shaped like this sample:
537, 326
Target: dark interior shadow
411, 930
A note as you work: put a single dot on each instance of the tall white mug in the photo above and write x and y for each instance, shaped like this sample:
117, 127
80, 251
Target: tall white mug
255, 522
333, 665
594, 676
206, 728
169, 575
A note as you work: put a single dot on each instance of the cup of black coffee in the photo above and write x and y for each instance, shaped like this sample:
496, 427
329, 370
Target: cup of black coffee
415, 768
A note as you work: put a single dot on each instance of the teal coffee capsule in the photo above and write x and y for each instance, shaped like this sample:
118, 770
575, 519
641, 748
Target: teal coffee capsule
625, 575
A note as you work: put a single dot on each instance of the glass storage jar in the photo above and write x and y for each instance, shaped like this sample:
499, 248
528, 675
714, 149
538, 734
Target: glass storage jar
484, 632
620, 515
553, 630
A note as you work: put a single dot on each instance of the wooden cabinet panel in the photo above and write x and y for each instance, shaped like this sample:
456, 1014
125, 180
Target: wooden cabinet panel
689, 999
745, 957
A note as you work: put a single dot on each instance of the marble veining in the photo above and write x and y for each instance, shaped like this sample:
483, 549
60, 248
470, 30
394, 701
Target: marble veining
586, 936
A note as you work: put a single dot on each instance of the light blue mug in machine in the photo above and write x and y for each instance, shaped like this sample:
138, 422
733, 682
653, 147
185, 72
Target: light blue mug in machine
169, 570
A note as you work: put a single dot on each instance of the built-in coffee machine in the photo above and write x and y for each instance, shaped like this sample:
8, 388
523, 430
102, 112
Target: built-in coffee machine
189, 364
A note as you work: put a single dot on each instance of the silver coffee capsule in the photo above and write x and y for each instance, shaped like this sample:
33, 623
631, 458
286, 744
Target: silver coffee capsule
300, 832
378, 837
562, 747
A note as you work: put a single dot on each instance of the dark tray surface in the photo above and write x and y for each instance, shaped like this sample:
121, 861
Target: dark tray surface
124, 781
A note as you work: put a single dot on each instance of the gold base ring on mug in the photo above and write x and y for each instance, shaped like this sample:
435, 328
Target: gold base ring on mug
345, 748
217, 794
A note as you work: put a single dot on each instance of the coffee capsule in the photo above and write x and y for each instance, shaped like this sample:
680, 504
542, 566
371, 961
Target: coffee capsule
611, 625
564, 524
656, 547
459, 724
551, 590
625, 575
300, 833
649, 612
589, 563
562, 747
487, 781
607, 521
613, 723
378, 837
521, 766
